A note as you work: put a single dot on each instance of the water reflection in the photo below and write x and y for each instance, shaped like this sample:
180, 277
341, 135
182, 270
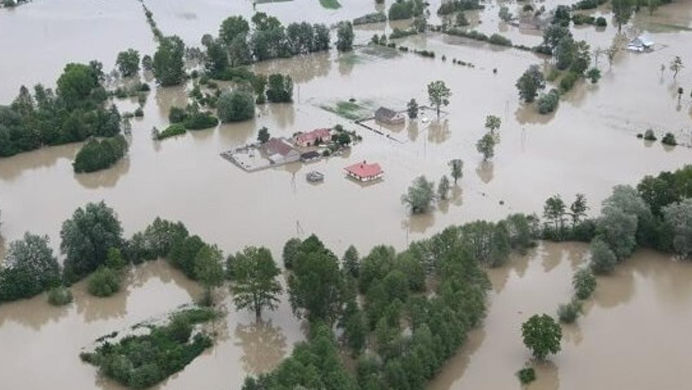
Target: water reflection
438, 132
32, 313
12, 167
547, 376
485, 171
106, 178
263, 344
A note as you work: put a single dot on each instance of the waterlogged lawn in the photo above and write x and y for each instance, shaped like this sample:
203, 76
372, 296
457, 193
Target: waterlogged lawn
331, 4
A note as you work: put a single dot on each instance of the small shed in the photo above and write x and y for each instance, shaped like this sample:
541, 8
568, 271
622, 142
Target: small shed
310, 156
389, 116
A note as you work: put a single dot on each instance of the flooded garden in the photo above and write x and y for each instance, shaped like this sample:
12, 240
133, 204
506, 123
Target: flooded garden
633, 330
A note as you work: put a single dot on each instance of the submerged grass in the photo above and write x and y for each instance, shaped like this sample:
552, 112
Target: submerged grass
330, 4
350, 109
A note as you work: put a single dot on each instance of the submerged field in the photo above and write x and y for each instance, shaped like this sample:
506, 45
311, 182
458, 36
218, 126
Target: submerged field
587, 146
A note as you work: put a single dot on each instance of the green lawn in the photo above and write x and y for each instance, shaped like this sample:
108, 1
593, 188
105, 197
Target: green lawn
331, 4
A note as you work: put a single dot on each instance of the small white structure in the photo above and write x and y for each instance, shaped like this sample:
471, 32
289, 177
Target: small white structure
640, 44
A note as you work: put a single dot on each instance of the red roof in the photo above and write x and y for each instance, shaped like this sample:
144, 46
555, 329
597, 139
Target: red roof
364, 169
313, 135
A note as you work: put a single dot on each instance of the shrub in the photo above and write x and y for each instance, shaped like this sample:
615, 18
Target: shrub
176, 114
669, 139
579, 19
593, 75
96, 155
584, 283
526, 375
172, 130
553, 75
200, 120
601, 21
59, 296
104, 282
498, 39
649, 135
603, 258
548, 102
236, 106
569, 312
139, 112
568, 81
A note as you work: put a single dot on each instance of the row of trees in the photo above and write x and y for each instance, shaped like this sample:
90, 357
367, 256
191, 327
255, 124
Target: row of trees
73, 112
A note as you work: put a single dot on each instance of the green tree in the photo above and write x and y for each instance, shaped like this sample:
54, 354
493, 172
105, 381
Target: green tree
439, 95
351, 261
76, 85
412, 109
553, 34
255, 285
554, 211
316, 284
263, 135
622, 10
321, 39
168, 65
529, 83
486, 146
603, 259
236, 106
578, 209
209, 270
28, 268
542, 335
678, 219
239, 51
344, 37
280, 88
128, 62
86, 239
290, 252
676, 66
183, 253
584, 283
233, 27
443, 188
492, 123
216, 60
457, 169
419, 195
104, 282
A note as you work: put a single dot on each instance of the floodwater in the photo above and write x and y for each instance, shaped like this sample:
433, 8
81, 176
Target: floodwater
632, 334
587, 146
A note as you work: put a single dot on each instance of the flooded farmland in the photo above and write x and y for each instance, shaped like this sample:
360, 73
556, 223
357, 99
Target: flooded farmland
587, 146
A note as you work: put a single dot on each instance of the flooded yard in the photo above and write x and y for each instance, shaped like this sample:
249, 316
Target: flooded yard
588, 145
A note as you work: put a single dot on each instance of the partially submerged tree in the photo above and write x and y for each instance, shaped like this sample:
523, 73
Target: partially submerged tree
542, 335
344, 34
676, 66
457, 169
492, 123
439, 95
412, 109
128, 62
443, 188
420, 195
529, 83
255, 283
622, 10
208, 270
486, 146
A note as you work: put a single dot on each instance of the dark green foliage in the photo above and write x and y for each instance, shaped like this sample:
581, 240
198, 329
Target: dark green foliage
603, 259
526, 375
405, 9
59, 296
182, 254
156, 241
548, 102
255, 286
176, 114
29, 268
233, 27
666, 188
419, 196
280, 89
569, 312
86, 239
375, 17
345, 36
542, 335
584, 283
198, 120
104, 282
449, 7
290, 252
529, 83
128, 62
96, 155
168, 65
601, 21
172, 130
588, 4
593, 75
236, 106
568, 81
143, 361
498, 39
669, 139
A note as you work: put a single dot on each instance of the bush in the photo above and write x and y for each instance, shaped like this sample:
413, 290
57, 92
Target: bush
376, 17
172, 130
200, 120
669, 139
177, 115
603, 259
548, 102
649, 135
601, 21
139, 112
593, 75
579, 19
236, 106
59, 296
584, 283
553, 75
498, 39
568, 313
568, 81
96, 155
104, 282
526, 375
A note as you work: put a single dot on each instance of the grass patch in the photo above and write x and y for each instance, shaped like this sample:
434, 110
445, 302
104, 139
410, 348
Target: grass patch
330, 4
380, 51
145, 360
351, 110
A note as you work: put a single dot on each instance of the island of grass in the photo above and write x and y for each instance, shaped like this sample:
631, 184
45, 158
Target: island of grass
141, 361
331, 4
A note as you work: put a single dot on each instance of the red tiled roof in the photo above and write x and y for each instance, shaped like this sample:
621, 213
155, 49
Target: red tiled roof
313, 135
364, 169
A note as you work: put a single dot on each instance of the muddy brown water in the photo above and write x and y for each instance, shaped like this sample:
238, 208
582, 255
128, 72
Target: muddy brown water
588, 146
